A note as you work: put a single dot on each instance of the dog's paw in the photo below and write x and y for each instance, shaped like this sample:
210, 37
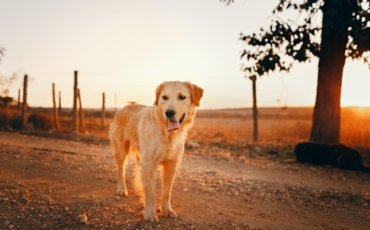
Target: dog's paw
121, 192
150, 216
168, 212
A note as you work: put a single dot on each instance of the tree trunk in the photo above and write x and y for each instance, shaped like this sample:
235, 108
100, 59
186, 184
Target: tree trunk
326, 115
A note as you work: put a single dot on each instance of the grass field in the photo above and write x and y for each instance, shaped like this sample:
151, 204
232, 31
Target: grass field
235, 126
286, 126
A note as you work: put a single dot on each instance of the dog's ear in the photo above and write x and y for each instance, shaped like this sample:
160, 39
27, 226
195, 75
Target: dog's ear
196, 93
158, 92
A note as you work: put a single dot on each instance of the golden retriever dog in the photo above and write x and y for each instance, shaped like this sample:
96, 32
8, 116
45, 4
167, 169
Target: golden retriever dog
156, 134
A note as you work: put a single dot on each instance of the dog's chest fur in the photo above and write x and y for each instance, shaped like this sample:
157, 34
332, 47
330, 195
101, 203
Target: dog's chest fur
176, 142
159, 144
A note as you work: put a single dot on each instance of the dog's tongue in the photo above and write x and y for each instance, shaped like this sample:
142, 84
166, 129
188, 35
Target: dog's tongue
173, 126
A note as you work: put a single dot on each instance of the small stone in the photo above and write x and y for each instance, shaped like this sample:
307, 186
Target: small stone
7, 222
11, 226
82, 218
66, 208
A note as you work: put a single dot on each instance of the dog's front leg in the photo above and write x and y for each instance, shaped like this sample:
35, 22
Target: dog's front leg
168, 175
148, 177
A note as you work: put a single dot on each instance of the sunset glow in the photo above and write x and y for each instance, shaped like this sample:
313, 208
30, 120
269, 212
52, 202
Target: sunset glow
127, 48
355, 85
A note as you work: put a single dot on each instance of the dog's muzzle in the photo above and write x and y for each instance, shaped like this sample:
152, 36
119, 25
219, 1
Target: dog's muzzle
175, 125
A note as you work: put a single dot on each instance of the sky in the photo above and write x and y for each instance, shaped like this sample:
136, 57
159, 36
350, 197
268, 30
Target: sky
127, 48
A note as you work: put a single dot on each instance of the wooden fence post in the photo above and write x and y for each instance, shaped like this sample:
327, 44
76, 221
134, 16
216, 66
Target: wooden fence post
24, 105
60, 104
103, 112
74, 112
56, 118
19, 100
255, 112
81, 112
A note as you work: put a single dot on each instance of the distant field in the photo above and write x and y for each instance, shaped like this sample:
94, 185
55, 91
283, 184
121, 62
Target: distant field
276, 125
235, 126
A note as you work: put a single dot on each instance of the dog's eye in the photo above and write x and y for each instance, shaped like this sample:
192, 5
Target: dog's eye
181, 97
164, 97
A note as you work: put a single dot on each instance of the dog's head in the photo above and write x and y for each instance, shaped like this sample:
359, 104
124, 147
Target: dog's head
175, 103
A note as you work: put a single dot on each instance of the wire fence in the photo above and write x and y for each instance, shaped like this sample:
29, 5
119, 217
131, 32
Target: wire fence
354, 124
121, 88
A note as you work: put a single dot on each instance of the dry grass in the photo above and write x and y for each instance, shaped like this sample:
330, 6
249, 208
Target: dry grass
276, 126
237, 130
235, 126
355, 126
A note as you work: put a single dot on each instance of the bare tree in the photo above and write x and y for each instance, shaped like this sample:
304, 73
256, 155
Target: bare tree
344, 32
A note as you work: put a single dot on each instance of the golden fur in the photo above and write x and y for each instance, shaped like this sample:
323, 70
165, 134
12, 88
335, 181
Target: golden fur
143, 130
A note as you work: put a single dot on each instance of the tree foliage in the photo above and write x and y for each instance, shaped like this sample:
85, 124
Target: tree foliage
277, 46
6, 83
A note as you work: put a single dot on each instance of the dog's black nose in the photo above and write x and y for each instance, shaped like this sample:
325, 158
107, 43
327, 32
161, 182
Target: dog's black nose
170, 113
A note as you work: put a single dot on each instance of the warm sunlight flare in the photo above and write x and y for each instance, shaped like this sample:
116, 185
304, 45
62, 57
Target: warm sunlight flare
113, 54
355, 85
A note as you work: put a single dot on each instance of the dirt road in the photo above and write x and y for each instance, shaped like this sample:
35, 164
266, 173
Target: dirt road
46, 183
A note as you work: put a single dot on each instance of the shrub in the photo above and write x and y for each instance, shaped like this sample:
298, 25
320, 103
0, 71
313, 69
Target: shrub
16, 122
10, 118
41, 121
